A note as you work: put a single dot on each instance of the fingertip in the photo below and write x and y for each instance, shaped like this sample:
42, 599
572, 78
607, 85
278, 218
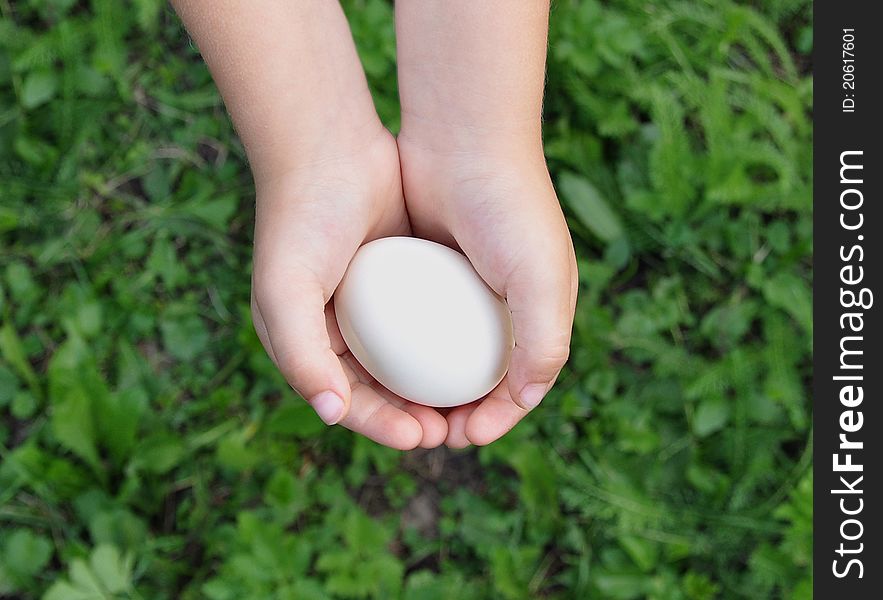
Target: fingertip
392, 427
408, 437
531, 375
433, 440
313, 373
530, 395
478, 435
492, 419
329, 406
456, 437
435, 431
542, 328
457, 442
434, 425
337, 392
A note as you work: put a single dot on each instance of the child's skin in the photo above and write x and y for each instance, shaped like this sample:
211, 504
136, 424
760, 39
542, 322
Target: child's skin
467, 170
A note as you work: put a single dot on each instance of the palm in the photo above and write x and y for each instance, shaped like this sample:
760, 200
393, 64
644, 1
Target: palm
302, 249
478, 207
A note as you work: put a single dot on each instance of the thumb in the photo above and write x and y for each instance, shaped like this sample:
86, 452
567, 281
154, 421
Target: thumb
291, 306
539, 296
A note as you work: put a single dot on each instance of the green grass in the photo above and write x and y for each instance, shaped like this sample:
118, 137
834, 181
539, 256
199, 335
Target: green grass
150, 450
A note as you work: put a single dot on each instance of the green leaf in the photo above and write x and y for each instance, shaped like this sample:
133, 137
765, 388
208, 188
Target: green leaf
216, 212
73, 427
62, 590
23, 405
21, 281
118, 527
112, 570
147, 12
88, 318
537, 489
296, 419
644, 552
118, 416
106, 574
584, 199
8, 386
38, 88
25, 554
698, 586
9, 218
621, 586
109, 25
287, 494
234, 453
426, 585
512, 569
364, 533
159, 453
672, 168
12, 350
164, 261
185, 336
793, 295
85, 578
711, 415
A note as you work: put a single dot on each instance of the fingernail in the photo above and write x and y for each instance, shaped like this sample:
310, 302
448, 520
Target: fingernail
328, 406
532, 394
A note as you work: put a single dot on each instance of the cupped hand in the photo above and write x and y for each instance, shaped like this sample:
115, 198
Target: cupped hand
496, 203
310, 220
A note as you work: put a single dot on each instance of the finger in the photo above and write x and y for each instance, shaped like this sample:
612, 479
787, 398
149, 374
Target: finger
457, 419
434, 426
378, 420
372, 415
261, 329
541, 300
494, 417
574, 282
291, 304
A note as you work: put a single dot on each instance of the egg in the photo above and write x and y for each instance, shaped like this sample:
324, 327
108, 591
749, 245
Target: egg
423, 322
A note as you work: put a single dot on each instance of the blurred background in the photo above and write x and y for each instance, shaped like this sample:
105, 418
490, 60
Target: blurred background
150, 450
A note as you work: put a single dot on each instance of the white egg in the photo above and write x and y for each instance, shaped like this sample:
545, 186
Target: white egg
423, 323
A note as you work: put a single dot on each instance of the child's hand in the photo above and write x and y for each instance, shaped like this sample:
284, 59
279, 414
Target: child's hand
310, 221
471, 88
327, 180
495, 202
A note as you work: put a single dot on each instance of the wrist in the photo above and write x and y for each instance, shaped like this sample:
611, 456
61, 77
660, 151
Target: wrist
318, 145
468, 167
443, 136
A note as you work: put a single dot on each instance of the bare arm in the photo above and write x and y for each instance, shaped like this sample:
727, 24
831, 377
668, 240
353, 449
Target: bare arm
289, 75
468, 67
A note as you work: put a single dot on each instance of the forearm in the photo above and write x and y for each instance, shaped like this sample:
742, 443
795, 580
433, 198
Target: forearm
471, 69
289, 75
